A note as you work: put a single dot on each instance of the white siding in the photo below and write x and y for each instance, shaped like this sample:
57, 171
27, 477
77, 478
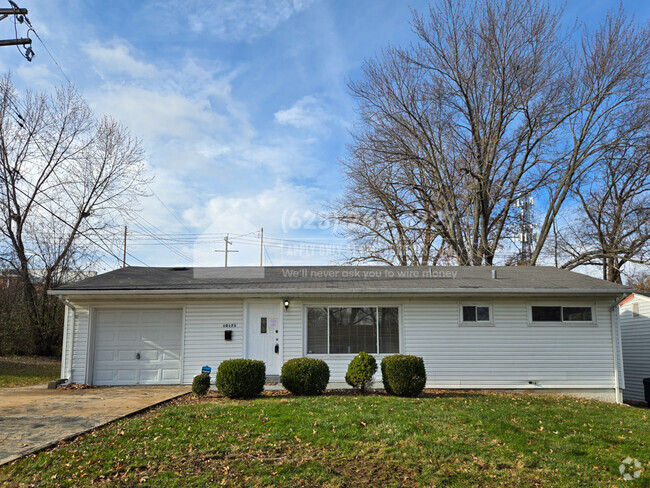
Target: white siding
508, 355
292, 335
79, 354
204, 342
635, 337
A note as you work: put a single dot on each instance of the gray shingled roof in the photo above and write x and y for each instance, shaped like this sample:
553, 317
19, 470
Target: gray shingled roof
345, 279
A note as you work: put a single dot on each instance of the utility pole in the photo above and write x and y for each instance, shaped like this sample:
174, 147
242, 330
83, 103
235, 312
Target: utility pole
20, 15
124, 250
226, 250
261, 246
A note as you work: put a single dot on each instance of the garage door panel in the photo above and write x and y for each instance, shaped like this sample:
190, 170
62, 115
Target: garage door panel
106, 336
171, 375
125, 335
126, 355
149, 355
148, 375
121, 335
103, 375
105, 356
126, 375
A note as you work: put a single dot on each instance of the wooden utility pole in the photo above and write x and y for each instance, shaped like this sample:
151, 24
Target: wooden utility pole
124, 250
261, 246
226, 250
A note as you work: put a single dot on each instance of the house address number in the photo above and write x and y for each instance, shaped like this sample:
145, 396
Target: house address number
229, 326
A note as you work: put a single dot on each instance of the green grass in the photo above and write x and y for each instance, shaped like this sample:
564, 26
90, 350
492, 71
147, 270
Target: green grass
27, 370
456, 439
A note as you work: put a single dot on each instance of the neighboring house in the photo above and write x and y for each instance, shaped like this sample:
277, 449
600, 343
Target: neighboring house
635, 334
534, 328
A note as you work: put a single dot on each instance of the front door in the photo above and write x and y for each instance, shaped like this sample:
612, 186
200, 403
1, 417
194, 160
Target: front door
264, 336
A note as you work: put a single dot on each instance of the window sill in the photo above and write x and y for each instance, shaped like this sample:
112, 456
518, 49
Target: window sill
348, 354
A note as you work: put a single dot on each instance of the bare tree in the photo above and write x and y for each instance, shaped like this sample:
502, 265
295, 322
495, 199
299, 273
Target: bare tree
64, 177
495, 102
612, 224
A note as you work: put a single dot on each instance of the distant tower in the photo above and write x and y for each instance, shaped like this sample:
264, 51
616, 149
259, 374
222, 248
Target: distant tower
526, 235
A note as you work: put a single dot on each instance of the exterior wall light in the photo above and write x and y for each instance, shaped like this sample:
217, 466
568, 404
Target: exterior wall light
286, 304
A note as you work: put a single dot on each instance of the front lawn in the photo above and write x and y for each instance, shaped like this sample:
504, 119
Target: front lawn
452, 439
27, 370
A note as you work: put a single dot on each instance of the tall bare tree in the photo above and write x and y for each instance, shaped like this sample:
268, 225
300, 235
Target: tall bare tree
496, 101
612, 223
64, 176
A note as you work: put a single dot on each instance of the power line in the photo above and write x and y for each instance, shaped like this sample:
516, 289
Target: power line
31, 28
166, 207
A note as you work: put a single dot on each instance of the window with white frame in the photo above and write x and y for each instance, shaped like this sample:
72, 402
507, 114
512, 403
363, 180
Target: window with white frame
349, 330
557, 313
476, 315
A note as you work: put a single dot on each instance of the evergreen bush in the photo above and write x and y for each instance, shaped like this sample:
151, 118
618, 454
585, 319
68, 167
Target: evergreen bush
201, 384
305, 376
241, 378
360, 371
403, 375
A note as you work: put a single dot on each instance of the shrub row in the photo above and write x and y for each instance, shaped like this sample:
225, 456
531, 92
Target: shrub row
401, 374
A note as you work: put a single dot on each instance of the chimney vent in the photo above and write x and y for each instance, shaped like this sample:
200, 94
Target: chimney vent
494, 274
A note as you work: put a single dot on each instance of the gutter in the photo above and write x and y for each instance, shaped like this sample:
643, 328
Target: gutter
328, 291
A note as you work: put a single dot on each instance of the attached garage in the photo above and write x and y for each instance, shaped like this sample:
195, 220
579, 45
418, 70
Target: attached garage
137, 347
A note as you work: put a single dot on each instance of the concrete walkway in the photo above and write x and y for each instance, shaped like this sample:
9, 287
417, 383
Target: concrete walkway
34, 418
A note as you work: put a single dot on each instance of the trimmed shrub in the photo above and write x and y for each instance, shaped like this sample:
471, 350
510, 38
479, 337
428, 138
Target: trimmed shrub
241, 378
403, 375
201, 384
305, 376
360, 371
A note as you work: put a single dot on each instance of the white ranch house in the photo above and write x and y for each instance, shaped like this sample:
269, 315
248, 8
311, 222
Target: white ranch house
532, 328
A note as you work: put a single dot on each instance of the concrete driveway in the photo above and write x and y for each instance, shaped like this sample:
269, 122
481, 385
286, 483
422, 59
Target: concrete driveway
34, 418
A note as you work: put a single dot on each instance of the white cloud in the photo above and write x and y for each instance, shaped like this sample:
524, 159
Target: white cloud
115, 57
270, 208
249, 212
306, 112
157, 113
309, 113
240, 20
38, 75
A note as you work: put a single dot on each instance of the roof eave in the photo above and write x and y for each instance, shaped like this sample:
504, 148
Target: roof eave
328, 291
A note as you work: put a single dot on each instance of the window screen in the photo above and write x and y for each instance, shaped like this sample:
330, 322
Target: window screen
388, 330
576, 314
317, 330
469, 314
349, 330
547, 314
353, 330
473, 313
482, 314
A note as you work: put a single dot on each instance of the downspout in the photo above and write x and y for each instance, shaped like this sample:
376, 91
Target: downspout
619, 378
66, 326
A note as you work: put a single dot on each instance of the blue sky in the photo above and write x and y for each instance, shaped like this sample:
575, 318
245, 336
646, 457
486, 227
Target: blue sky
241, 106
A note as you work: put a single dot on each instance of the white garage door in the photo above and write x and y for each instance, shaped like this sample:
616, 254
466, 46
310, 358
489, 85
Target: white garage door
137, 347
